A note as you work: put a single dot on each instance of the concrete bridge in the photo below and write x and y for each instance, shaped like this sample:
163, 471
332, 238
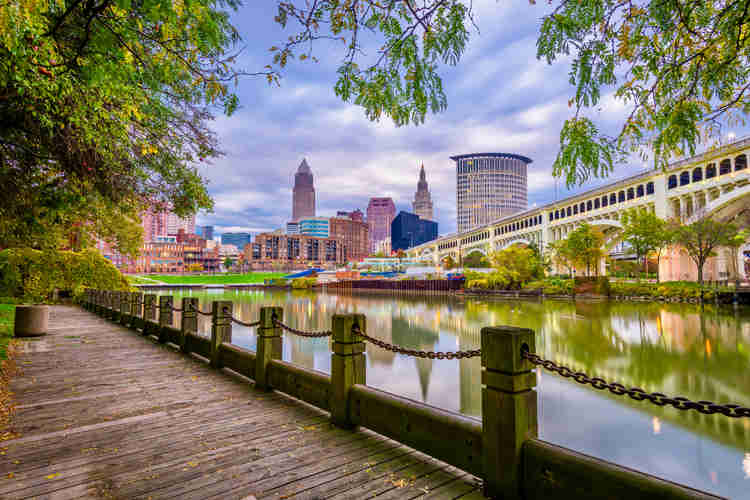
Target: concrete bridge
715, 184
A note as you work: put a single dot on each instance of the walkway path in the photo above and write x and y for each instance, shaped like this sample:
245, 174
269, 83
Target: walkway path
102, 412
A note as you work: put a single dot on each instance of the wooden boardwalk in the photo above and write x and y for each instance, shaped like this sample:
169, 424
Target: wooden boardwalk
102, 412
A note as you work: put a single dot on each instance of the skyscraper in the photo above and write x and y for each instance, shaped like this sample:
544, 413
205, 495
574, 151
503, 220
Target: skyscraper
489, 186
303, 194
422, 204
380, 214
409, 230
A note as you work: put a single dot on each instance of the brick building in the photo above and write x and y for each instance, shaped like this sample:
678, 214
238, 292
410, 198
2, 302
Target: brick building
293, 251
353, 233
380, 214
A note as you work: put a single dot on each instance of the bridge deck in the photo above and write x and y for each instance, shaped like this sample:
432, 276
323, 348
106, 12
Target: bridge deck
102, 412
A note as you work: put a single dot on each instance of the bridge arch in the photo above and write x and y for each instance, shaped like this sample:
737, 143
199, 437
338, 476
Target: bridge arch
723, 202
521, 241
471, 250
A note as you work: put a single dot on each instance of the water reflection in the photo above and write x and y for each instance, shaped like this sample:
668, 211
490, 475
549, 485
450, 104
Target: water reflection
671, 348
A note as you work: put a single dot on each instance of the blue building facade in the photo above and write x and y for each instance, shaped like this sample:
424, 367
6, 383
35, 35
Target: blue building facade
237, 239
319, 227
408, 230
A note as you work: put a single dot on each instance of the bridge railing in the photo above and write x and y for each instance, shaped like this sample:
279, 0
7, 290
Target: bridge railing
503, 449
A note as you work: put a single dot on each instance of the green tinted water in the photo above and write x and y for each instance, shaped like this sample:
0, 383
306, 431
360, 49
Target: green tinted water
671, 348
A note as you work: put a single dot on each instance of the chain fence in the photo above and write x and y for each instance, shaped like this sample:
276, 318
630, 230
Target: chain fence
637, 394
302, 333
417, 354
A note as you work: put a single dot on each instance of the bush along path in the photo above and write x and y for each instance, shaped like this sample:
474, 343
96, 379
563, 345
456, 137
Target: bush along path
7, 369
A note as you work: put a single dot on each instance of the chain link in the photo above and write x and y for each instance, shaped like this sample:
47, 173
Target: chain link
301, 333
176, 309
417, 354
197, 310
657, 398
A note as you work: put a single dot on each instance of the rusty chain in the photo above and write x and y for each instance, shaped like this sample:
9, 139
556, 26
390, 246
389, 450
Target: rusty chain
197, 310
176, 309
657, 398
301, 333
417, 354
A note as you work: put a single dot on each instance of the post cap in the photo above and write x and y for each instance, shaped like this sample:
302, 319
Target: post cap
343, 326
501, 348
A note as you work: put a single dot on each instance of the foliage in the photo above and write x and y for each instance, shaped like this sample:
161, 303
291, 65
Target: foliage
672, 289
552, 286
7, 313
33, 275
303, 282
735, 243
105, 108
645, 233
700, 238
448, 263
680, 68
562, 254
476, 260
582, 246
228, 263
519, 263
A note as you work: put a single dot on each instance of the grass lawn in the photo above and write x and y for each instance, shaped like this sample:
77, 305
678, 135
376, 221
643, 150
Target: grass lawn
6, 327
205, 279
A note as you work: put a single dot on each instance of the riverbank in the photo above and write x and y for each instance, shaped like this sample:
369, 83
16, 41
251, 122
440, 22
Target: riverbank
204, 279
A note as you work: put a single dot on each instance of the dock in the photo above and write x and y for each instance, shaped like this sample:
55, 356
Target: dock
103, 412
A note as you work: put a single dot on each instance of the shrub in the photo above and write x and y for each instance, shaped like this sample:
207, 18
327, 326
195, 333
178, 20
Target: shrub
30, 275
303, 283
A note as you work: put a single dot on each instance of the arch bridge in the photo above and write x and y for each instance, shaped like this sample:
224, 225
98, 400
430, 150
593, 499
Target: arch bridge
715, 183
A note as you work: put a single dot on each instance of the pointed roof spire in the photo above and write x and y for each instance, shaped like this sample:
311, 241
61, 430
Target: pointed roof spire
304, 167
422, 176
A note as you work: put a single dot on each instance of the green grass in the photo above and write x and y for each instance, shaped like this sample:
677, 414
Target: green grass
205, 279
7, 312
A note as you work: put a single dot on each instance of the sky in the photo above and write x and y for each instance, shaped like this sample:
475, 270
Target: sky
500, 99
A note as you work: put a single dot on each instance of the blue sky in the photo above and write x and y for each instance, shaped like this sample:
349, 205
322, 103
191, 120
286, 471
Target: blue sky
500, 99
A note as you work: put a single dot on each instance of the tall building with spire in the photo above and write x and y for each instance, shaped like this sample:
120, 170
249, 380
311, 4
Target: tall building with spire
422, 205
303, 194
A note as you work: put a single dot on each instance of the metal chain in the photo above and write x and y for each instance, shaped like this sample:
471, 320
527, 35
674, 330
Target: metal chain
657, 398
418, 354
249, 325
196, 309
301, 333
176, 309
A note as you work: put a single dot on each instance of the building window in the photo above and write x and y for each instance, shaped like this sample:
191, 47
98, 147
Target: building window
684, 178
588, 206
639, 190
596, 203
711, 171
582, 207
650, 188
612, 199
725, 167
672, 183
697, 174
568, 211
631, 193
621, 196
740, 163
604, 200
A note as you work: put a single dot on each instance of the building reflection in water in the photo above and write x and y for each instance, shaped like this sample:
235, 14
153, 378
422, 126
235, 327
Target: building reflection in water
671, 348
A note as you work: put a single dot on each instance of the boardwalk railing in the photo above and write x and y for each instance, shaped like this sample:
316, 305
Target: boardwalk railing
503, 449
397, 286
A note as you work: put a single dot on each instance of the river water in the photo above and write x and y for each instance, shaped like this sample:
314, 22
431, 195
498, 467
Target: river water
676, 349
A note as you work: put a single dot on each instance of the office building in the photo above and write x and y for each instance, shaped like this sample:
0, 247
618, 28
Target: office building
207, 232
380, 214
353, 215
237, 239
489, 186
303, 193
422, 205
353, 234
175, 223
292, 227
315, 226
408, 230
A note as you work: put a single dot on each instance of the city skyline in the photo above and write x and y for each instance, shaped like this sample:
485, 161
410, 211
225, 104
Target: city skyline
524, 102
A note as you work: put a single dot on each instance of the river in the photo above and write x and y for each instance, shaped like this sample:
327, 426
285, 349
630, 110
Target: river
676, 349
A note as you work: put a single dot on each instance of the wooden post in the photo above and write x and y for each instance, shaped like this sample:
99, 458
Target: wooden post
166, 315
124, 308
347, 365
509, 408
221, 328
149, 307
116, 305
136, 310
189, 322
269, 345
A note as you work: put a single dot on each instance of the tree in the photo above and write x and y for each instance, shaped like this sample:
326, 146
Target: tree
475, 259
643, 231
519, 263
104, 111
228, 263
700, 238
585, 245
448, 262
664, 240
735, 243
679, 67
562, 254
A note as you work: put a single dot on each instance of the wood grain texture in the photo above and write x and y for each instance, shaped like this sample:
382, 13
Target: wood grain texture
104, 412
